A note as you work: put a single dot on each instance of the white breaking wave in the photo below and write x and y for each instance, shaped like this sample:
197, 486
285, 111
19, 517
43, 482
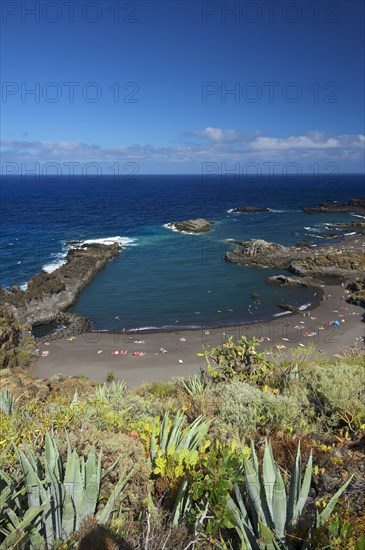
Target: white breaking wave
60, 258
283, 313
123, 241
285, 210
59, 262
358, 216
349, 234
304, 306
24, 286
172, 227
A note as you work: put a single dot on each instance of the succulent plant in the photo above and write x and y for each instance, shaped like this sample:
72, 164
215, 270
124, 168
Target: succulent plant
174, 435
269, 516
6, 401
66, 495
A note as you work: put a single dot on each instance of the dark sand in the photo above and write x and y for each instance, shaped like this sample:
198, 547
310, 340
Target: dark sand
80, 356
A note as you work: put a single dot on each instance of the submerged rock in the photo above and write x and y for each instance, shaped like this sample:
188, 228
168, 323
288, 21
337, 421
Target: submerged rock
200, 225
250, 209
285, 280
288, 307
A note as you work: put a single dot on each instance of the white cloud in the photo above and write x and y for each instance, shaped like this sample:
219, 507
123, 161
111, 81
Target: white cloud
216, 134
208, 145
311, 140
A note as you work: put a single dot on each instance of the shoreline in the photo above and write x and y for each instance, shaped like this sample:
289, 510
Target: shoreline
93, 354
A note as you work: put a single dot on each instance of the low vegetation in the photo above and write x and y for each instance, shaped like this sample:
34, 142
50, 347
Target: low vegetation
248, 455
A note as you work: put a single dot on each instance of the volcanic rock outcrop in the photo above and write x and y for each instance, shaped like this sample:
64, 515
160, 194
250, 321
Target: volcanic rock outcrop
250, 209
354, 205
304, 262
200, 225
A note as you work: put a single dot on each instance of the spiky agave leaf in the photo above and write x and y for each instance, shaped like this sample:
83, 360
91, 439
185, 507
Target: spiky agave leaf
194, 434
279, 507
104, 515
242, 527
91, 484
294, 489
327, 511
269, 475
179, 508
21, 530
164, 431
304, 490
174, 435
56, 495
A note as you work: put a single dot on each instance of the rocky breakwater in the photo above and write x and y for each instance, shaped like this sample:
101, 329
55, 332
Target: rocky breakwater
200, 225
49, 294
354, 205
335, 261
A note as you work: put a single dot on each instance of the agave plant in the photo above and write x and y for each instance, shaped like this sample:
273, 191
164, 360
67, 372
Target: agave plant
106, 391
15, 523
67, 494
269, 517
6, 401
194, 385
173, 435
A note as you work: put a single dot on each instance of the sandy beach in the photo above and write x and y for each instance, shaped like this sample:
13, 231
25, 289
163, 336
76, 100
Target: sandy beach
139, 358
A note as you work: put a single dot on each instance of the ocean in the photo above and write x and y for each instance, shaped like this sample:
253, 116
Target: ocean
163, 279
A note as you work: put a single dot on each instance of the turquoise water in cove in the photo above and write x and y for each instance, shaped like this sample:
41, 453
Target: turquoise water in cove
165, 279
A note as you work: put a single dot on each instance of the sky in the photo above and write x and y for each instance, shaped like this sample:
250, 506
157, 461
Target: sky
188, 86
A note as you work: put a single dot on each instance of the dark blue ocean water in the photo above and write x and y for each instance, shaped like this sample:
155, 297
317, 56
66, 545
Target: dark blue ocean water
162, 278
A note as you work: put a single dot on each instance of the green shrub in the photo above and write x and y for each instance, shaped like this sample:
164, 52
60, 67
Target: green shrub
110, 377
337, 393
246, 409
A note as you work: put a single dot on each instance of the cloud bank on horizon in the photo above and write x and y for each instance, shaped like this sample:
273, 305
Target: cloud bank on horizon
210, 145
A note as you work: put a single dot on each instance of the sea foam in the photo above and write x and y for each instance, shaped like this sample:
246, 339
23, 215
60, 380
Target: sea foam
172, 227
60, 258
304, 306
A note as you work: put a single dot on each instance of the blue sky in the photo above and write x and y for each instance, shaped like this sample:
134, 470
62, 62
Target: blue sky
175, 86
